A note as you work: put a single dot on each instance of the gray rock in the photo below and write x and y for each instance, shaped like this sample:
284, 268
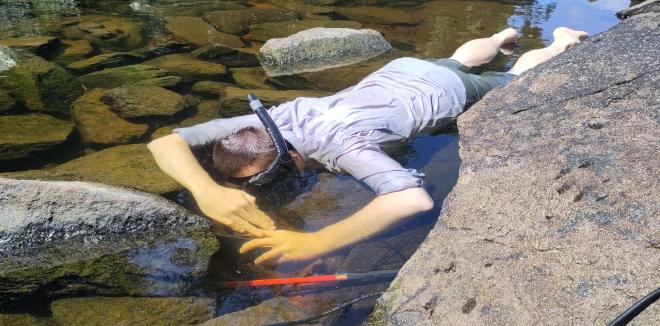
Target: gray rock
97, 124
24, 136
196, 31
554, 219
266, 31
320, 48
238, 21
67, 238
639, 7
7, 58
131, 101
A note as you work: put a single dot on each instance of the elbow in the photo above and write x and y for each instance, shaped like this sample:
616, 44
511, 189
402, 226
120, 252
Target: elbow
420, 201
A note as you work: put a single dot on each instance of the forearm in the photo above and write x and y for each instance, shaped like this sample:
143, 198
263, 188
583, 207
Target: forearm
380, 214
175, 158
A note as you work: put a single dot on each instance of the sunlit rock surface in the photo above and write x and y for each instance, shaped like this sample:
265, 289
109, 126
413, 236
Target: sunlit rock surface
320, 48
27, 135
64, 238
554, 219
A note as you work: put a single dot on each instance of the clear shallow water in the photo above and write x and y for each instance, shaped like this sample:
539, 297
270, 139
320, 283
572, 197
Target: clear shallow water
443, 25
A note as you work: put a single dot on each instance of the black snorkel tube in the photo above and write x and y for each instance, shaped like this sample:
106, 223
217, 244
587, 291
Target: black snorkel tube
283, 164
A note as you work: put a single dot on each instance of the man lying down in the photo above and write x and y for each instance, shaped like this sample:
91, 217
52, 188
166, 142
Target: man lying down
344, 132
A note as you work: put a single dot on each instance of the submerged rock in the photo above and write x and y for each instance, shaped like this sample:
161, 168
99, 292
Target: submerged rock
110, 32
209, 88
235, 102
40, 85
74, 50
132, 311
238, 21
554, 216
102, 61
227, 56
25, 320
97, 124
250, 78
126, 166
132, 101
275, 310
115, 77
197, 31
24, 136
7, 58
320, 48
44, 46
378, 15
68, 238
266, 31
188, 68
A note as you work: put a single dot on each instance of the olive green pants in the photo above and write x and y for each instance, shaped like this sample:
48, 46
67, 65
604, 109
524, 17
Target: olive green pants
476, 86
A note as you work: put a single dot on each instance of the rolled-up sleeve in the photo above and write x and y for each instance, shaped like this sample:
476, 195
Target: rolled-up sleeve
366, 162
207, 132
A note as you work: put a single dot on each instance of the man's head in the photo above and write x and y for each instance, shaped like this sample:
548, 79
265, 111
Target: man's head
246, 152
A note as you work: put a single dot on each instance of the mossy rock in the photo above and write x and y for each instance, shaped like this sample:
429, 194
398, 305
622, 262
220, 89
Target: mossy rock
40, 85
23, 136
44, 46
198, 32
108, 31
145, 311
162, 262
115, 77
97, 124
127, 166
74, 50
235, 102
24, 320
188, 68
133, 101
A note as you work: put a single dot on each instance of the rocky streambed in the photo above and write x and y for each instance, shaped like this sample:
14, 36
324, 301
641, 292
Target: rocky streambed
554, 219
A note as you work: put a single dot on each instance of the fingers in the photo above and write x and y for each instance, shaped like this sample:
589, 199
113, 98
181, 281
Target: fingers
256, 216
256, 243
272, 254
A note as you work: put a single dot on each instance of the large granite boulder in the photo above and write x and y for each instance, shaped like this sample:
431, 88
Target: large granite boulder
67, 238
554, 219
97, 124
320, 48
24, 136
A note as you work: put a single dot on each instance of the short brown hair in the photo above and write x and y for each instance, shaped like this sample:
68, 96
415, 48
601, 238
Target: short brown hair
245, 147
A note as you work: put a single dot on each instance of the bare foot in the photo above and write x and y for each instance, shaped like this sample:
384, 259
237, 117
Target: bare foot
567, 37
507, 39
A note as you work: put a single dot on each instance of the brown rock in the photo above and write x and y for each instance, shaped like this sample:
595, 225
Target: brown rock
25, 135
379, 15
251, 78
235, 102
97, 124
131, 101
74, 50
275, 310
44, 46
238, 21
209, 88
265, 31
188, 68
197, 31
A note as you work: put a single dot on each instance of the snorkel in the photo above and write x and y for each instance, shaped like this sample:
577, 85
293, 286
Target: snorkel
283, 166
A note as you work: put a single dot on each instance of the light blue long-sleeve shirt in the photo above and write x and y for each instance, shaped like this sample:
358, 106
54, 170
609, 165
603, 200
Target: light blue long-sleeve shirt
345, 131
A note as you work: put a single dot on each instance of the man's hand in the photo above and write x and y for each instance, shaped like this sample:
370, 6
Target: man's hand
288, 246
234, 208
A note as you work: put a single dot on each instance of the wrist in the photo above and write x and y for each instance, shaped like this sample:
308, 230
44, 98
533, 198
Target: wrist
201, 189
